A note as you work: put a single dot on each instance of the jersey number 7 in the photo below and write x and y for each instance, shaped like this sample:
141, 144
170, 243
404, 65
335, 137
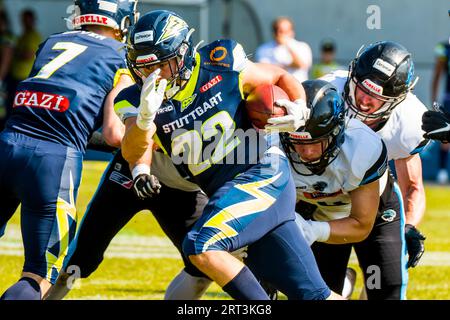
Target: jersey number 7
71, 51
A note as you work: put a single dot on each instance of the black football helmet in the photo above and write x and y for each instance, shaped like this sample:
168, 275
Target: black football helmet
326, 124
384, 70
116, 14
157, 37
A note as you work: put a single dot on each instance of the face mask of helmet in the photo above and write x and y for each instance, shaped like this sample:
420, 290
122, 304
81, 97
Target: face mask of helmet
175, 62
330, 147
365, 75
162, 39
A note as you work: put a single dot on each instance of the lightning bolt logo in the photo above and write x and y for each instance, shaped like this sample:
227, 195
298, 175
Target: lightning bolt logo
64, 210
238, 210
172, 28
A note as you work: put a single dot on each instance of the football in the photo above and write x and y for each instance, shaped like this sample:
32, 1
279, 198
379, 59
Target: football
260, 104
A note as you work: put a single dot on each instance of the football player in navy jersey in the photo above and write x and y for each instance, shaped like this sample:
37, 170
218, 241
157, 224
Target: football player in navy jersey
183, 99
68, 95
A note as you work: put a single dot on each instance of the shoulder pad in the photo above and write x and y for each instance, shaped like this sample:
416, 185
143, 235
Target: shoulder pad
223, 54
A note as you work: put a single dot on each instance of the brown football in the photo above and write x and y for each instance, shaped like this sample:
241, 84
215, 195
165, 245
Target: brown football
260, 104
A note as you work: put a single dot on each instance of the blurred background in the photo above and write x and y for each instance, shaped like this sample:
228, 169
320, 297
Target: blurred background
417, 24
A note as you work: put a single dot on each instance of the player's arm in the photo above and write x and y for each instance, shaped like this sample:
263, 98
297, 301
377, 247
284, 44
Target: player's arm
136, 143
140, 129
359, 224
409, 175
113, 128
256, 74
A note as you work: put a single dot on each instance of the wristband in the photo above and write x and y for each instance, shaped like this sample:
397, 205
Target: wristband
321, 229
141, 168
143, 123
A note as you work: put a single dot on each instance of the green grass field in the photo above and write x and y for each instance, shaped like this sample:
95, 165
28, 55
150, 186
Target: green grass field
141, 262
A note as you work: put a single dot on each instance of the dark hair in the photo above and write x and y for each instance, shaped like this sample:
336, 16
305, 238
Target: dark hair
29, 12
327, 45
278, 20
4, 16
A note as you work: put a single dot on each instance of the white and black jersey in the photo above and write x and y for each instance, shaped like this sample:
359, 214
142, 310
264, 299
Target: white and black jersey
402, 132
361, 160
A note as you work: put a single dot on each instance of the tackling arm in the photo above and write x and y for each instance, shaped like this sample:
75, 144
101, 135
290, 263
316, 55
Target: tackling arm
256, 74
113, 128
358, 225
409, 174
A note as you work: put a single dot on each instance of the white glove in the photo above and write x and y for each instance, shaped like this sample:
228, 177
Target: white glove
313, 230
151, 100
297, 114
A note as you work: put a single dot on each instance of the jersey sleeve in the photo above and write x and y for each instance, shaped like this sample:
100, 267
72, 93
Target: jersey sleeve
337, 78
127, 101
367, 155
408, 140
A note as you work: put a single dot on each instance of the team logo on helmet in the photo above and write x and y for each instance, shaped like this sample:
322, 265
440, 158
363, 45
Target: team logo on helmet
172, 28
143, 36
385, 67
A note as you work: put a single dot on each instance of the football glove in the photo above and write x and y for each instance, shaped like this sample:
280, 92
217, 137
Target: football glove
313, 230
436, 124
414, 244
297, 114
151, 100
146, 186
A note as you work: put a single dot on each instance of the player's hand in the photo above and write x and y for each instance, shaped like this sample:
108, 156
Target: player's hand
297, 114
414, 244
313, 230
436, 125
146, 186
151, 100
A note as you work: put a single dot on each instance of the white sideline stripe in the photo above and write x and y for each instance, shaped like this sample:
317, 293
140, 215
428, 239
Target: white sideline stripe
153, 247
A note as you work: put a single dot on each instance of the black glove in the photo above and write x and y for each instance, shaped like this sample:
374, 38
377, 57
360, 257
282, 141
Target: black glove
436, 125
414, 244
146, 186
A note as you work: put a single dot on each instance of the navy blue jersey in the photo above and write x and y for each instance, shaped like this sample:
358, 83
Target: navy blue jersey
204, 128
62, 99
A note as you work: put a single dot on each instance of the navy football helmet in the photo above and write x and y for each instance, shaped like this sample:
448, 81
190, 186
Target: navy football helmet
158, 37
116, 14
326, 124
384, 70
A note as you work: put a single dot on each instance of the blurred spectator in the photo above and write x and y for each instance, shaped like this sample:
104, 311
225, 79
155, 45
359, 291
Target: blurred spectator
292, 55
327, 62
24, 53
6, 54
441, 67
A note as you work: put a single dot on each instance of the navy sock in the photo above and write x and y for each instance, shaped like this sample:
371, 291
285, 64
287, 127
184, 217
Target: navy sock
24, 289
245, 287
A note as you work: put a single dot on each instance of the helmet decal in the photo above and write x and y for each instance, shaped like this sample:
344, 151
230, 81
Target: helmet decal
172, 28
385, 67
143, 36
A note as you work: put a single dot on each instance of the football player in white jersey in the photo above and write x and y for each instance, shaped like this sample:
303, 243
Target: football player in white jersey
377, 91
436, 123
